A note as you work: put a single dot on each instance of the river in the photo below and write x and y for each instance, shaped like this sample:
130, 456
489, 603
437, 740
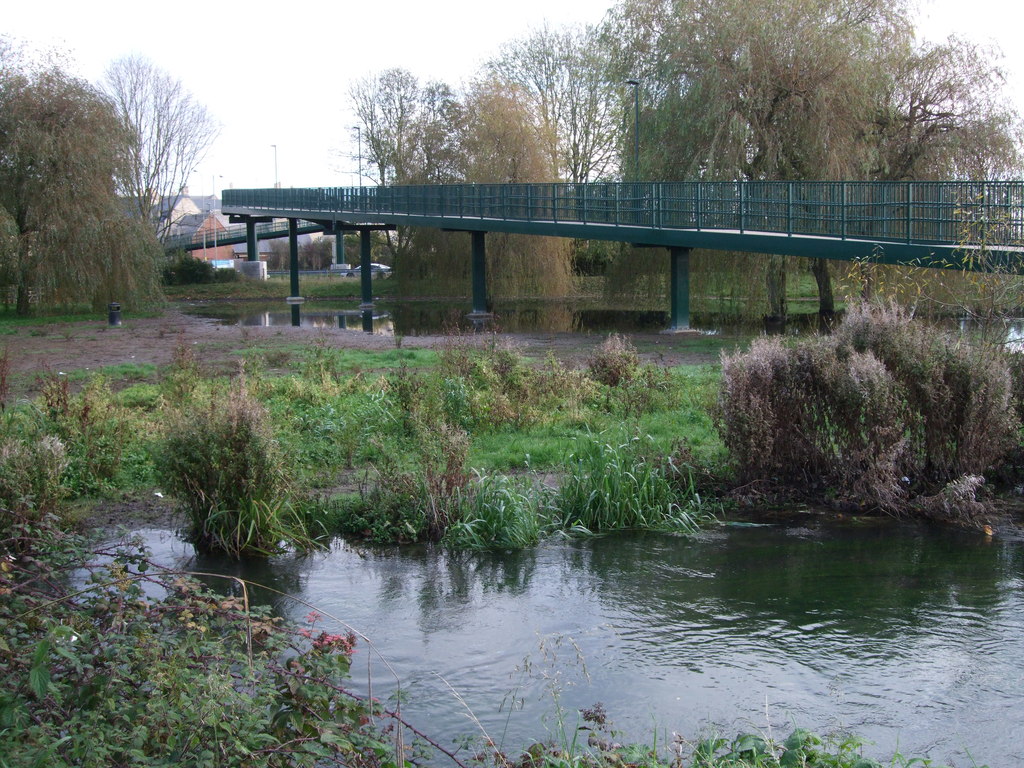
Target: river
911, 636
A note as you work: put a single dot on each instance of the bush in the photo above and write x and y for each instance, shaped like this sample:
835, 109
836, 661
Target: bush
30, 476
881, 414
615, 362
186, 270
135, 667
222, 463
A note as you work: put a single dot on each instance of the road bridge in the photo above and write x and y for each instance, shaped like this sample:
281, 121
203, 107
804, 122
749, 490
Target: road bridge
958, 225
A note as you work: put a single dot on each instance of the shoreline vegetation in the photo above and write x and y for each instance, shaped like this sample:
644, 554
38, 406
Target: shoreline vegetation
472, 444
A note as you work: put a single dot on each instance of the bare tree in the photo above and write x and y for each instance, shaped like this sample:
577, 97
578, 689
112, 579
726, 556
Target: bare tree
563, 77
171, 133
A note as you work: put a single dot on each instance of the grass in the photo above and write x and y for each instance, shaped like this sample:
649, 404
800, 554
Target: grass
512, 450
40, 322
333, 412
622, 485
499, 512
121, 372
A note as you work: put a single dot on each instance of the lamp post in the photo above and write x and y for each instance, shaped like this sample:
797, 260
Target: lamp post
276, 184
213, 215
636, 128
359, 149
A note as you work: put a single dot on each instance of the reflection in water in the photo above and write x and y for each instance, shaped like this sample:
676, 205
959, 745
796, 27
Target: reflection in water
415, 318
907, 635
367, 321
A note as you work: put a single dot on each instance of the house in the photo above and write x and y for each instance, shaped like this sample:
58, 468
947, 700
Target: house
200, 217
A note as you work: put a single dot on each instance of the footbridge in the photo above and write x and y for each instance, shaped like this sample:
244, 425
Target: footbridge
958, 225
235, 234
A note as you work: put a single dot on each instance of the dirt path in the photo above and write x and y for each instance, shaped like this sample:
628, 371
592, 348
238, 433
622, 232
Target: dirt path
91, 345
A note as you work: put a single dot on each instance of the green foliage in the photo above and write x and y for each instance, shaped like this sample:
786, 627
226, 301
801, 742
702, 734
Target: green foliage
187, 270
615, 487
135, 667
499, 512
801, 749
31, 475
600, 749
93, 428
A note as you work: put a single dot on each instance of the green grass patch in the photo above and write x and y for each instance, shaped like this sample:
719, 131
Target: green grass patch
543, 447
119, 372
12, 322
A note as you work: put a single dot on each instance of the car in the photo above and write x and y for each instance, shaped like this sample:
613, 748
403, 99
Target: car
376, 270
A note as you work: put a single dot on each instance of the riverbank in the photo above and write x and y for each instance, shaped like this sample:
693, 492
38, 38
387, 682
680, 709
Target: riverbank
78, 347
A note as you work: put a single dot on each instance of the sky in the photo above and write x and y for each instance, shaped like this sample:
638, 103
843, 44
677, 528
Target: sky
278, 74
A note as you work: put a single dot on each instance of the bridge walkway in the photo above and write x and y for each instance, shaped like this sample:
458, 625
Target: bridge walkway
962, 225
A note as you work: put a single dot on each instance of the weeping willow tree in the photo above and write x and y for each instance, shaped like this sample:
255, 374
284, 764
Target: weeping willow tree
805, 90
67, 238
500, 147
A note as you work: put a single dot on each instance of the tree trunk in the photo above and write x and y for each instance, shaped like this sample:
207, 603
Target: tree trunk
826, 301
776, 284
23, 307
867, 276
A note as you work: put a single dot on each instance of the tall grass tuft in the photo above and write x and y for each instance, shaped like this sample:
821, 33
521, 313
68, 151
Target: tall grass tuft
613, 487
221, 462
499, 512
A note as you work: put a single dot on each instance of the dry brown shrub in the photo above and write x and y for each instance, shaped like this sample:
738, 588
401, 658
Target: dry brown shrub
614, 362
884, 411
957, 502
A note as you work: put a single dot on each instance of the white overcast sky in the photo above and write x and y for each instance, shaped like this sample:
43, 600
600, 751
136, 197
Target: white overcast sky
279, 73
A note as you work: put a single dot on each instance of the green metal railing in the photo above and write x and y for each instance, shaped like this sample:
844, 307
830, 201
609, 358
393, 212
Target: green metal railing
921, 212
235, 233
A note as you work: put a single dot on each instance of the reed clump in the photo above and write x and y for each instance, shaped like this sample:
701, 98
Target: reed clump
617, 486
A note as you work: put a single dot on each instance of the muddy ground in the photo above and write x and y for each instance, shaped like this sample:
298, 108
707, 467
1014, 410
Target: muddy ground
81, 346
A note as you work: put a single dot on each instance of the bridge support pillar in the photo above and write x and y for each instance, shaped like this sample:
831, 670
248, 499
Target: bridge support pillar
339, 247
680, 289
293, 256
365, 276
252, 252
479, 274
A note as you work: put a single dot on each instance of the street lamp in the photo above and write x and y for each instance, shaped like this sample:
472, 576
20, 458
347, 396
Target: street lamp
276, 184
636, 128
213, 215
359, 147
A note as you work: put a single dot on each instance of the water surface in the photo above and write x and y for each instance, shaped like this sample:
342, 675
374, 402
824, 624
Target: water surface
908, 635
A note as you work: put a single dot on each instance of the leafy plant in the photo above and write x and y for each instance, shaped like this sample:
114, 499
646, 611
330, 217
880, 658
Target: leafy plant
224, 466
140, 667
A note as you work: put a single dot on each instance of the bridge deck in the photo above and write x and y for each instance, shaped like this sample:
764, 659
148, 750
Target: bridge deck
928, 223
